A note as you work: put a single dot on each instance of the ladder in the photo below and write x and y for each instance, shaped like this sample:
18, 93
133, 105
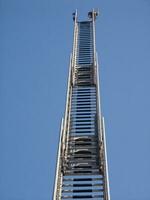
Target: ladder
82, 171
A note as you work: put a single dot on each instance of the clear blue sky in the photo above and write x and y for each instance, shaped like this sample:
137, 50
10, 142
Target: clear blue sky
35, 44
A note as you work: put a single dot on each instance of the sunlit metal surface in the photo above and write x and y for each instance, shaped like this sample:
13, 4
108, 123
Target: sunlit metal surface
81, 171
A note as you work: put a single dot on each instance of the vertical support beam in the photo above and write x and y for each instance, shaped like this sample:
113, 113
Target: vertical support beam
58, 175
107, 193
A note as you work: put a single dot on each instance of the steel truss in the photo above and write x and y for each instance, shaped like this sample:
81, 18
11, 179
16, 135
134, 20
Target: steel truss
81, 171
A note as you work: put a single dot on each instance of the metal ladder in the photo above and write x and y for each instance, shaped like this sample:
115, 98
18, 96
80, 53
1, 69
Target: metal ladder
81, 171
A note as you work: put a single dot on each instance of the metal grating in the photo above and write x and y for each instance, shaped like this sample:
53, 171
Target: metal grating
85, 43
82, 163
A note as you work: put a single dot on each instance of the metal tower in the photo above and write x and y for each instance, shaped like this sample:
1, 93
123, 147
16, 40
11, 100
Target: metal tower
81, 171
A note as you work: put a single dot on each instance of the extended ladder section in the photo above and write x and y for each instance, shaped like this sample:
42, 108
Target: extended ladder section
81, 171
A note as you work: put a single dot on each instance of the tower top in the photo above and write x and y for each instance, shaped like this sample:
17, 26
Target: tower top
92, 15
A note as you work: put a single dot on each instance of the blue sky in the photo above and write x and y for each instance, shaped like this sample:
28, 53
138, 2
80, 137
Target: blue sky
35, 44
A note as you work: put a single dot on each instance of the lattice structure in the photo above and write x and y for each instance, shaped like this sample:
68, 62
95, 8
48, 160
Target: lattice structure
81, 171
